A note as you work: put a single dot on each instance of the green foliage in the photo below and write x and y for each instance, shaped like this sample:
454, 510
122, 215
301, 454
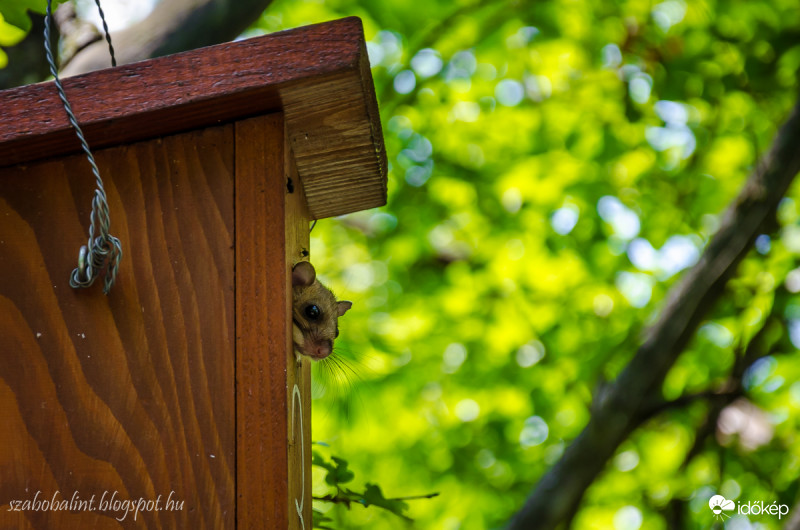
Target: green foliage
337, 474
15, 12
15, 22
337, 470
555, 166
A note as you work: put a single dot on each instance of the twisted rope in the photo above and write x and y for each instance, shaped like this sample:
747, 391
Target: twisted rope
104, 251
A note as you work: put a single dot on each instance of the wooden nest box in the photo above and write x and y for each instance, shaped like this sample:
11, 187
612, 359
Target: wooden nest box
179, 386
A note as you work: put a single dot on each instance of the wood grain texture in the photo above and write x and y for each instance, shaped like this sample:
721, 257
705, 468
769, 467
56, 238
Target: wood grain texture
263, 305
299, 375
319, 75
133, 392
335, 147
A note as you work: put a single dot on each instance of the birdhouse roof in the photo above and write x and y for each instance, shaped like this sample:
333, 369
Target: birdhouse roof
318, 76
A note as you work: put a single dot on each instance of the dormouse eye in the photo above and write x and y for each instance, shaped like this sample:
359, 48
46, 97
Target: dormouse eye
312, 312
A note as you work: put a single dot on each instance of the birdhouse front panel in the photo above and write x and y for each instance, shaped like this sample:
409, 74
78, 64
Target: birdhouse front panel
126, 397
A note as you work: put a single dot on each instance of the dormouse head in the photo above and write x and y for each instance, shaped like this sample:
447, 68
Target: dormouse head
315, 313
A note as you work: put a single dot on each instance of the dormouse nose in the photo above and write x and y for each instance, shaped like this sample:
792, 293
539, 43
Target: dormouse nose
323, 349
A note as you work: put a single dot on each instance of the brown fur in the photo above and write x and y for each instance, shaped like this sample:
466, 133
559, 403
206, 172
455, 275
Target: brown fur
314, 337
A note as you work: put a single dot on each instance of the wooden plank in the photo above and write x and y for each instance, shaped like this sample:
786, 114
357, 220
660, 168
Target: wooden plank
273, 391
336, 137
130, 394
262, 305
335, 133
299, 375
319, 75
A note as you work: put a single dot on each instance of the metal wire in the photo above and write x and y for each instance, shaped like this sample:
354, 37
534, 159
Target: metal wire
107, 33
104, 251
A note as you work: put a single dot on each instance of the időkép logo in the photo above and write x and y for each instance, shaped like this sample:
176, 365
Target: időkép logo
720, 505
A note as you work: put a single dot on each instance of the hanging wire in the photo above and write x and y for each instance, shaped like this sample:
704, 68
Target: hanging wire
103, 252
107, 33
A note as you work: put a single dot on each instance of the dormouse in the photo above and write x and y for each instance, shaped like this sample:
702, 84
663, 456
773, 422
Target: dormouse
315, 313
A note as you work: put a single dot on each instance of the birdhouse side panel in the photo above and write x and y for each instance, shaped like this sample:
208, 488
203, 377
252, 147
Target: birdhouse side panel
121, 406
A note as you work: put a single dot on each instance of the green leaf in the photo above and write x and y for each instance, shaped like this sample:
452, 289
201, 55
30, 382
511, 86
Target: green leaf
9, 34
15, 12
337, 470
374, 496
340, 474
319, 519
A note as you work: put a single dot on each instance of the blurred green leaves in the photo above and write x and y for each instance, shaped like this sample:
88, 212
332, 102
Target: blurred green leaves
15, 22
15, 14
554, 168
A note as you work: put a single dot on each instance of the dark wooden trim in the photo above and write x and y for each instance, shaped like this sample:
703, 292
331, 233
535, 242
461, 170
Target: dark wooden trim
321, 71
194, 89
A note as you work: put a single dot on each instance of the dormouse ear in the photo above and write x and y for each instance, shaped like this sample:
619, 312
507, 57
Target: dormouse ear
343, 306
303, 274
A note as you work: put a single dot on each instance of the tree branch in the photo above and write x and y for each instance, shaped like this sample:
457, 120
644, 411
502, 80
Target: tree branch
173, 26
732, 388
712, 396
76, 33
559, 492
